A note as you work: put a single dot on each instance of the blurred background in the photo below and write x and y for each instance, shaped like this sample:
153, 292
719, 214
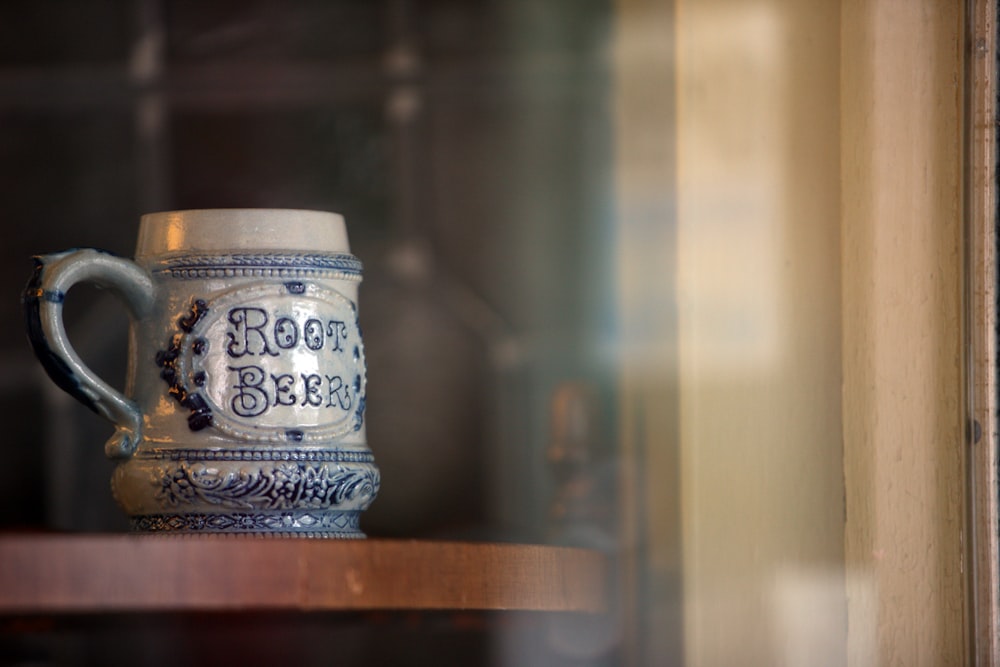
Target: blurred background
678, 280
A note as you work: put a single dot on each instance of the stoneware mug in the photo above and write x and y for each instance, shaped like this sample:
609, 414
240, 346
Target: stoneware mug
244, 402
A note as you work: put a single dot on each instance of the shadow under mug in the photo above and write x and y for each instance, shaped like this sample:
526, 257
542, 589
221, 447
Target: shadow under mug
244, 402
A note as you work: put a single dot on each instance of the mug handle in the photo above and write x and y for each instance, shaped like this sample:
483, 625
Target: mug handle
43, 297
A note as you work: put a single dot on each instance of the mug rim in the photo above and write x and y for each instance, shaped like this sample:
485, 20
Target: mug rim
241, 229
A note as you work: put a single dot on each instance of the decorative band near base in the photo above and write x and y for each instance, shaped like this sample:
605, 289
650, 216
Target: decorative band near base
299, 523
281, 486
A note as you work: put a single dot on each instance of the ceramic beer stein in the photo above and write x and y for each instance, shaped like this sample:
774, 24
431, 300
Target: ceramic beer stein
244, 403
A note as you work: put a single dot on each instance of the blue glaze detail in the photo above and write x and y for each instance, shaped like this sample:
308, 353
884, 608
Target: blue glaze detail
271, 265
56, 368
199, 421
199, 346
198, 310
53, 296
201, 414
169, 375
285, 486
303, 523
359, 414
164, 357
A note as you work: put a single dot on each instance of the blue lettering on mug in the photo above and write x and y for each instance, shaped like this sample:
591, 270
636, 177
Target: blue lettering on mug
255, 389
251, 333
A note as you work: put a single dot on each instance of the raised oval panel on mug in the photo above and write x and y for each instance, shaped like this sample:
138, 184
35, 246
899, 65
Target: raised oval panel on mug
279, 362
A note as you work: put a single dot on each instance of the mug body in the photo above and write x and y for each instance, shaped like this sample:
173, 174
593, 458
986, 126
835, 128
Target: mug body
249, 374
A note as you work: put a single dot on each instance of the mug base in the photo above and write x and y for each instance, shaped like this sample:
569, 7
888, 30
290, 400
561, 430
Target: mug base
298, 523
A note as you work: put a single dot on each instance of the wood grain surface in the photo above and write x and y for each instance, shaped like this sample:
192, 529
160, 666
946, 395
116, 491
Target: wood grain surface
119, 573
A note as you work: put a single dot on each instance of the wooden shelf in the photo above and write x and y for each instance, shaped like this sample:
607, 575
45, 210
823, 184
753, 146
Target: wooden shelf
54, 574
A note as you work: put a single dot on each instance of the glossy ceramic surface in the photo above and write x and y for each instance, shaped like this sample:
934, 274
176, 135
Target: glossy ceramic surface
244, 405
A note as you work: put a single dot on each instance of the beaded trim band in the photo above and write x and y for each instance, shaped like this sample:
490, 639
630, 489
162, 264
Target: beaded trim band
336, 455
295, 265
